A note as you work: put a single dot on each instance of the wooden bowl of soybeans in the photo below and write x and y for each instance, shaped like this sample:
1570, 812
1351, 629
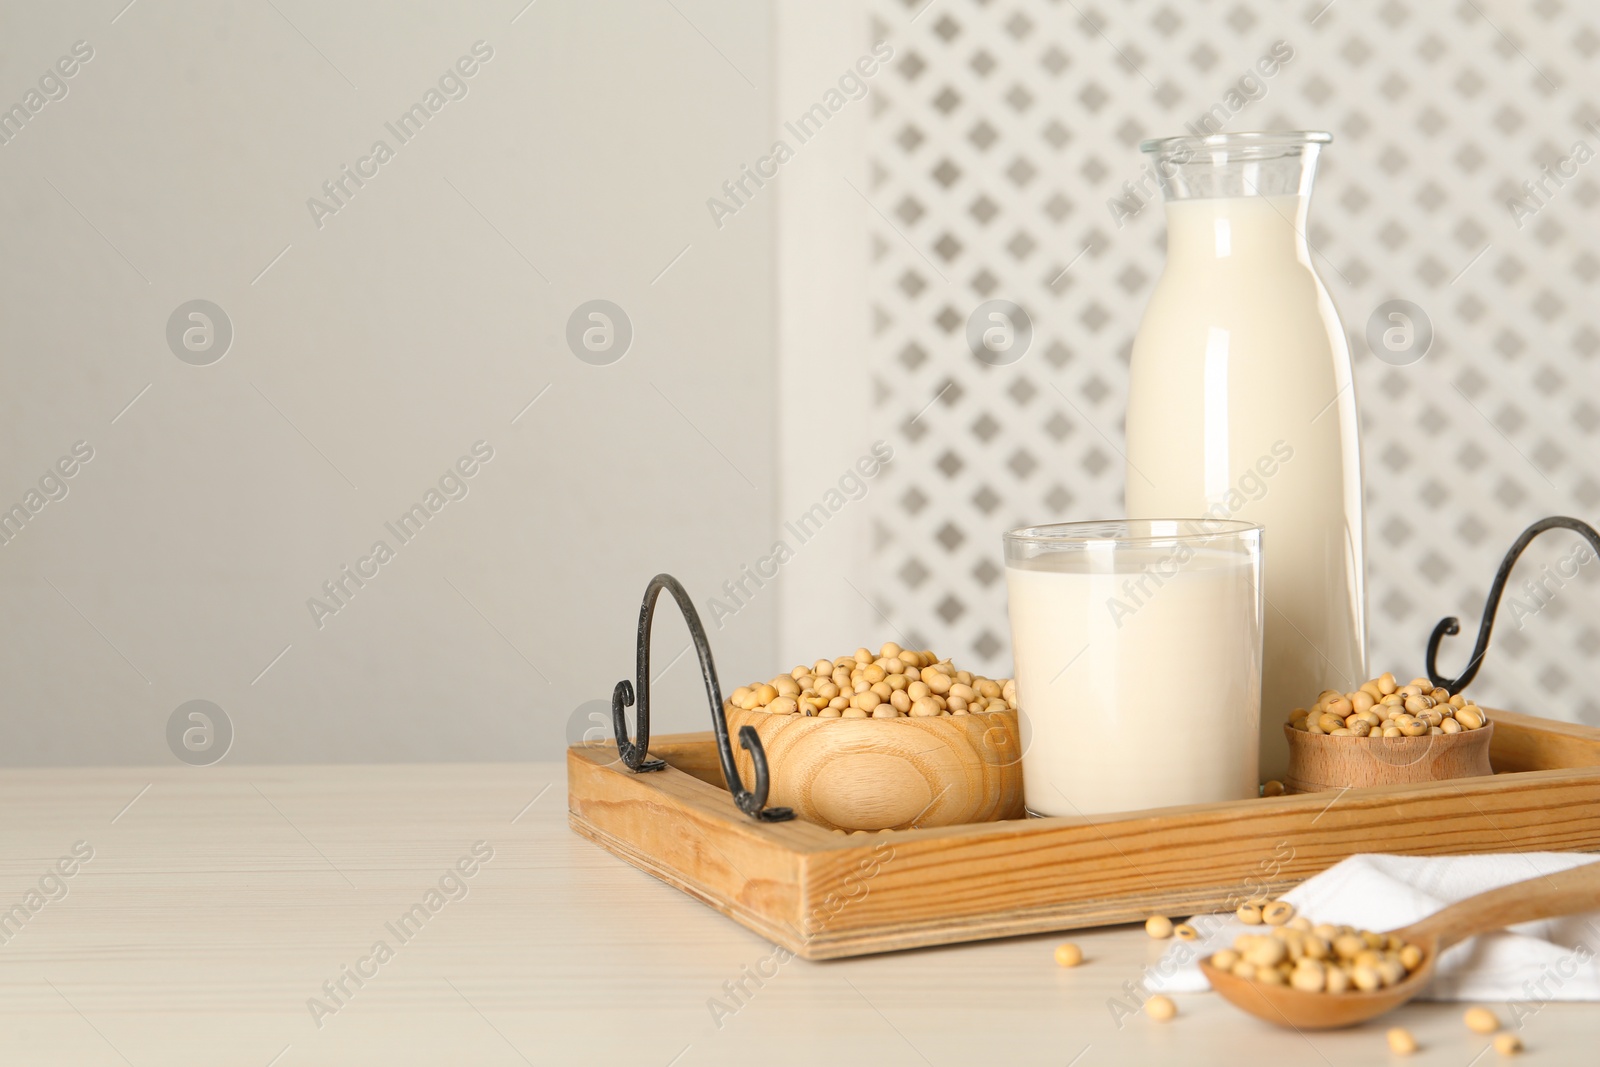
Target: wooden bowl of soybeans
943, 748
1422, 734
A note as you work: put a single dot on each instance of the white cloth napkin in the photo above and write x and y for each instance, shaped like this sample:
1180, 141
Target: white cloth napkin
1529, 964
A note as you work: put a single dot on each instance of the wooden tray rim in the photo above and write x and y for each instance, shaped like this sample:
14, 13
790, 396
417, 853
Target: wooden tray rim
806, 838
786, 871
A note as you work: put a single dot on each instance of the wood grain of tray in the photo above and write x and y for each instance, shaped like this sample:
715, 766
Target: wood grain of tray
824, 895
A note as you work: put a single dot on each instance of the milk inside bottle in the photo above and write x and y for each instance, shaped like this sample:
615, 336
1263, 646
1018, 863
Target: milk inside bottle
1241, 403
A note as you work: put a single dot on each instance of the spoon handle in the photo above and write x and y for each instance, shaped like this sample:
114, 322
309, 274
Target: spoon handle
1563, 893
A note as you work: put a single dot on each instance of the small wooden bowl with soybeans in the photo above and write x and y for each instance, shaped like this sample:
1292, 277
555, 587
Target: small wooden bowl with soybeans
1385, 733
889, 741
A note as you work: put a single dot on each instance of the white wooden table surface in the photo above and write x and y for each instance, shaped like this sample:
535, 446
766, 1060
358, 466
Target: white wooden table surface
219, 900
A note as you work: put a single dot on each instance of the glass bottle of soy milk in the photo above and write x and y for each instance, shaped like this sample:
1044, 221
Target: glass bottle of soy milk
1241, 403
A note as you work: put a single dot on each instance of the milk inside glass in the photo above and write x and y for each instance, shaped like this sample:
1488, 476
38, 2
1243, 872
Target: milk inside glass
1138, 667
1241, 406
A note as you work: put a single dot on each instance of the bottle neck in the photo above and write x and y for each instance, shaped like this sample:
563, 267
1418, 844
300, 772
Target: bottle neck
1222, 230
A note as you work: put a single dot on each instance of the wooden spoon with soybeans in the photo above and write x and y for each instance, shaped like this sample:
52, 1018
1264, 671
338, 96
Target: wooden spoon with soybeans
1564, 893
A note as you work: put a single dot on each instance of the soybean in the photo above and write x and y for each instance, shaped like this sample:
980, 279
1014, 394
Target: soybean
1160, 1008
1507, 1044
1401, 1043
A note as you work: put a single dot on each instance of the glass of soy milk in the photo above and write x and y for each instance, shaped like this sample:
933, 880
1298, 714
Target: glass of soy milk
1138, 662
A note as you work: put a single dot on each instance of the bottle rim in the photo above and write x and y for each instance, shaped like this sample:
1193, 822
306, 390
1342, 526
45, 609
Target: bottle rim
1243, 140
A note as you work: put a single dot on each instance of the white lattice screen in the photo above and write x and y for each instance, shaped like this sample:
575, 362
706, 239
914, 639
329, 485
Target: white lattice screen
1007, 126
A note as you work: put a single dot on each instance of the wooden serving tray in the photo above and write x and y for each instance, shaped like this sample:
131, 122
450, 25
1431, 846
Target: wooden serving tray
823, 895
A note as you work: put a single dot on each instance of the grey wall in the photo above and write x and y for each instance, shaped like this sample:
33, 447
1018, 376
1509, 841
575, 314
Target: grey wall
419, 319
